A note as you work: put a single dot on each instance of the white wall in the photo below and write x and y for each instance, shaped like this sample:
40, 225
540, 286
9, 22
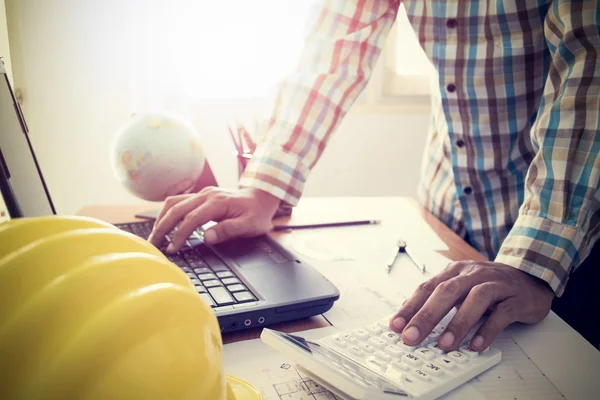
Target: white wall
4, 47
76, 96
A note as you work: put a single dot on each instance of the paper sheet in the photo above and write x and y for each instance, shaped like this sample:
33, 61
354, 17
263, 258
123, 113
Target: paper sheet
368, 291
516, 377
333, 244
274, 375
355, 261
408, 225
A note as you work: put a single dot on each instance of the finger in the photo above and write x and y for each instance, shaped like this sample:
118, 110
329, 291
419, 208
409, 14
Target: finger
208, 211
441, 301
479, 299
413, 304
169, 202
503, 315
229, 229
172, 217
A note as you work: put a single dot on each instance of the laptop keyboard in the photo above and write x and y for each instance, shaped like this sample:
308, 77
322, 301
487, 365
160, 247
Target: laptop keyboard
218, 285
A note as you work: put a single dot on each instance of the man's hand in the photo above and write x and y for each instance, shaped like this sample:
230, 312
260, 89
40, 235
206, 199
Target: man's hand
244, 212
475, 288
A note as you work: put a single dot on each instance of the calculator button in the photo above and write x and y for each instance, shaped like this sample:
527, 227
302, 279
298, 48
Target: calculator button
361, 334
406, 347
412, 359
393, 351
383, 356
458, 357
445, 363
399, 365
200, 289
186, 269
196, 281
225, 274
377, 342
424, 376
349, 338
357, 351
435, 334
339, 342
212, 283
191, 274
391, 337
466, 350
432, 369
367, 348
435, 348
374, 329
425, 354
384, 323
377, 364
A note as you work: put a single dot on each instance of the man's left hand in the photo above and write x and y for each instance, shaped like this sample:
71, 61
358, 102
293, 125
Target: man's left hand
475, 288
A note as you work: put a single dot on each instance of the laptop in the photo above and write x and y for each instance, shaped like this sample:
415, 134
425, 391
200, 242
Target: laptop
249, 282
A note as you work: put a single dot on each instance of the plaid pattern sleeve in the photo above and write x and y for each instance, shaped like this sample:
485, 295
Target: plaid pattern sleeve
559, 220
341, 48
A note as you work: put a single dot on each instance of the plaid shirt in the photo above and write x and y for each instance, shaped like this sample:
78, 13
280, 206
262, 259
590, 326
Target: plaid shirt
511, 161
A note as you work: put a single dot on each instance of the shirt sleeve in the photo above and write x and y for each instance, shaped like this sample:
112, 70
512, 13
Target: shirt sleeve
559, 220
339, 54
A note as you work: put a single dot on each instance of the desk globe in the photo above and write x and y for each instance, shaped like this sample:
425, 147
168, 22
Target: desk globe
156, 155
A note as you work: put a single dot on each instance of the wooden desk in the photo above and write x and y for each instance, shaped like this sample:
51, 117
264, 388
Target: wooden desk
313, 210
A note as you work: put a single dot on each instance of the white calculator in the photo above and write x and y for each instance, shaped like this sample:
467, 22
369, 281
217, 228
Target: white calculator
373, 363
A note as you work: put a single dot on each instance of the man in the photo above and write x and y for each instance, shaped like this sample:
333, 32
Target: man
511, 162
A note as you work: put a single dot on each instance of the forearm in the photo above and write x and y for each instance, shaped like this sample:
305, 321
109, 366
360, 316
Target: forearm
340, 52
559, 220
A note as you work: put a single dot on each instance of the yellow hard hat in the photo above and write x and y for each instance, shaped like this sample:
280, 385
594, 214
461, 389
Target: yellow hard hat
91, 312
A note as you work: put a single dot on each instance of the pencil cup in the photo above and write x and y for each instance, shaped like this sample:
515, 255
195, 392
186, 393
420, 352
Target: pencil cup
242, 161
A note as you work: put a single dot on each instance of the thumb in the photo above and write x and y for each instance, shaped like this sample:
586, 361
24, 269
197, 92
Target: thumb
228, 229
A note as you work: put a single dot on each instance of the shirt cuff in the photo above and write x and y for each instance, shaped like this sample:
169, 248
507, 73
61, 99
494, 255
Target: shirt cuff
542, 248
277, 172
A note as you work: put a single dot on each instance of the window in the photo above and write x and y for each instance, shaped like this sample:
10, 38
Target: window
408, 70
227, 50
216, 49
401, 79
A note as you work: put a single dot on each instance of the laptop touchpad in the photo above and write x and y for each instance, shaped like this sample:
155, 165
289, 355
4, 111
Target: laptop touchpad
272, 271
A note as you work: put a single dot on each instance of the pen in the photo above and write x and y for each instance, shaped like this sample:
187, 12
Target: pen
326, 225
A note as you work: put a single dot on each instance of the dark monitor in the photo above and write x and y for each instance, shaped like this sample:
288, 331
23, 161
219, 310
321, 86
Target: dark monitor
21, 182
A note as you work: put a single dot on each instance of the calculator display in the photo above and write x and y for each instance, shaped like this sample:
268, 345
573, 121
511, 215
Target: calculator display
344, 365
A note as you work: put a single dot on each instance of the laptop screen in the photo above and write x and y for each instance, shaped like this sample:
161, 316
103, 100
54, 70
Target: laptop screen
25, 191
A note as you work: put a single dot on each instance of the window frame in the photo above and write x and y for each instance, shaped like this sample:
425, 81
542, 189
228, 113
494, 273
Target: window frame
390, 92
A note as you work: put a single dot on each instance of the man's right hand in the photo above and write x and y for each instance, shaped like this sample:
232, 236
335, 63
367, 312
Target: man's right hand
239, 213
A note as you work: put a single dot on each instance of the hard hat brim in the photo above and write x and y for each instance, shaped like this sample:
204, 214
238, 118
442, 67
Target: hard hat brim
242, 390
